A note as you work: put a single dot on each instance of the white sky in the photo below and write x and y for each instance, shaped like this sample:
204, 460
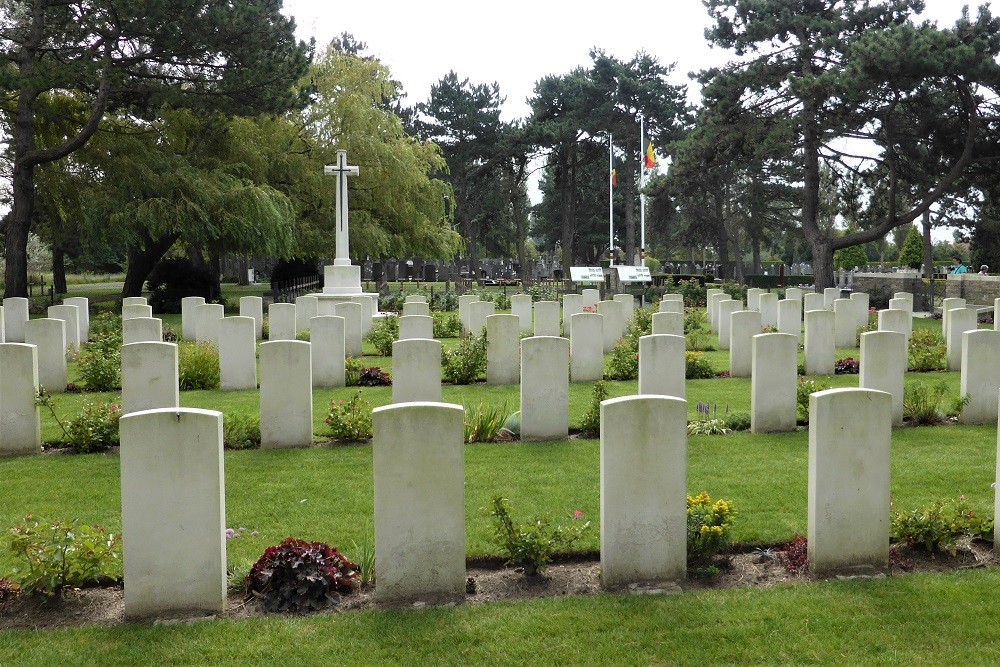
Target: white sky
515, 43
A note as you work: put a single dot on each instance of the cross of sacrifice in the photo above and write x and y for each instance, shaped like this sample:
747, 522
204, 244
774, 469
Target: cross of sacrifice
341, 170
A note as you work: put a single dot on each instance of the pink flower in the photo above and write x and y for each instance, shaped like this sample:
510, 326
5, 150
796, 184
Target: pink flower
577, 514
114, 408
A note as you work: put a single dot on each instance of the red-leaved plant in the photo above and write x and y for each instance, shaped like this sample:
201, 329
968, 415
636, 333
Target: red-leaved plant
298, 576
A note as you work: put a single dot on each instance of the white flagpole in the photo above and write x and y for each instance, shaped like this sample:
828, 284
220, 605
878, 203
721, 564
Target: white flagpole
642, 199
611, 198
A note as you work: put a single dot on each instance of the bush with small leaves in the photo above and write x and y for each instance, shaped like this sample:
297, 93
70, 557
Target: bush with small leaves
591, 422
350, 420
708, 527
939, 525
623, 362
241, 431
374, 376
100, 360
697, 367
805, 388
198, 366
738, 421
352, 371
532, 546
926, 352
383, 334
298, 576
446, 325
465, 362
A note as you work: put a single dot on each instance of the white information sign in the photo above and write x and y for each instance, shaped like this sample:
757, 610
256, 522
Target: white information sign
634, 274
586, 274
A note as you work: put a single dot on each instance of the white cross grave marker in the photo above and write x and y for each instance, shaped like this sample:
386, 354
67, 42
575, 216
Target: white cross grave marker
341, 170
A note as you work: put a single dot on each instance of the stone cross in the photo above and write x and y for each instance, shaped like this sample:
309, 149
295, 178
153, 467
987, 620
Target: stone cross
341, 170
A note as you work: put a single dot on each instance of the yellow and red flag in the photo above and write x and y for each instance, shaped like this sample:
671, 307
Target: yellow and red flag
614, 178
649, 159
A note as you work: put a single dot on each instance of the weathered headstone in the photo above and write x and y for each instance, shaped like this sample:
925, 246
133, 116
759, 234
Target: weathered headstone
134, 301
149, 377
173, 512
899, 321
351, 312
643, 490
753, 298
20, 429
980, 379
849, 445
286, 394
15, 314
547, 320
253, 306
830, 294
83, 303
883, 366
813, 301
190, 315
744, 325
795, 294
820, 350
464, 302
211, 315
71, 316
544, 388
768, 304
326, 336
367, 303
948, 305
479, 311
861, 301
591, 297
416, 370
614, 323
671, 307
628, 305
901, 304
713, 296
237, 353
419, 470
142, 330
572, 304
960, 320
136, 310
587, 348
416, 326
725, 318
670, 324
845, 323
414, 298
790, 318
49, 336
774, 383
662, 365
306, 308
420, 308
503, 353
521, 305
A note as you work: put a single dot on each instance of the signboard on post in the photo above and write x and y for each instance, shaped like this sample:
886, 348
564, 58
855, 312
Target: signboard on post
586, 274
634, 274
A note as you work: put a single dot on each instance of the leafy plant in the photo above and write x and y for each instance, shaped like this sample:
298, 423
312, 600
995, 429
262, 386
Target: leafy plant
298, 576
697, 366
198, 366
805, 388
366, 560
55, 554
926, 351
383, 334
738, 421
241, 431
623, 362
846, 366
591, 422
485, 423
447, 325
100, 360
464, 363
374, 376
352, 371
93, 429
532, 546
939, 525
708, 427
708, 527
795, 555
350, 420
922, 404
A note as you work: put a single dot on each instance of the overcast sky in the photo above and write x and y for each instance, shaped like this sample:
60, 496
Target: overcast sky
515, 43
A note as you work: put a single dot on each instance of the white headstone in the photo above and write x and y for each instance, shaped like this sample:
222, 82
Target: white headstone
83, 303
849, 443
419, 468
774, 383
662, 365
671, 307
136, 310
416, 326
726, 309
20, 427
547, 319
71, 316
572, 304
587, 347
414, 298
614, 323
790, 318
478, 312
819, 342
503, 349
947, 305
351, 312
714, 296
306, 308
134, 301
591, 297
49, 336
173, 512
544, 388
280, 321
980, 379
142, 330
149, 377
901, 304
670, 324
326, 336
237, 353
210, 315
795, 294
286, 409
744, 325
416, 370
464, 302
845, 323
883, 366
768, 304
813, 301
190, 315
367, 304
861, 301
753, 298
521, 305
15, 314
419, 308
899, 321
628, 305
960, 320
643, 490
253, 306
830, 294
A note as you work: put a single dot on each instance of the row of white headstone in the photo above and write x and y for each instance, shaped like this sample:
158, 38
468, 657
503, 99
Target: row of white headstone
175, 559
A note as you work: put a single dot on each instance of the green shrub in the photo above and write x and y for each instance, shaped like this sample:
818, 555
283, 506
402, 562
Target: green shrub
442, 300
383, 334
105, 324
708, 427
623, 362
352, 371
927, 351
533, 545
923, 405
939, 525
485, 424
464, 363
100, 362
305, 335
52, 555
738, 421
350, 420
265, 328
591, 423
447, 325
241, 431
94, 428
497, 297
708, 528
804, 389
198, 366
298, 576
641, 324
697, 367
542, 292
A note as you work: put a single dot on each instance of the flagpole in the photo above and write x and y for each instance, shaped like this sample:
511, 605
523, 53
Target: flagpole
611, 198
642, 199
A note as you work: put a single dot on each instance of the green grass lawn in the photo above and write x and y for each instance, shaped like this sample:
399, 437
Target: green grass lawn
325, 493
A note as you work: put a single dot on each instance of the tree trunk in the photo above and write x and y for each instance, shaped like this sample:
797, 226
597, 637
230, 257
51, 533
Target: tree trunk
755, 249
928, 247
141, 261
16, 238
822, 262
59, 269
